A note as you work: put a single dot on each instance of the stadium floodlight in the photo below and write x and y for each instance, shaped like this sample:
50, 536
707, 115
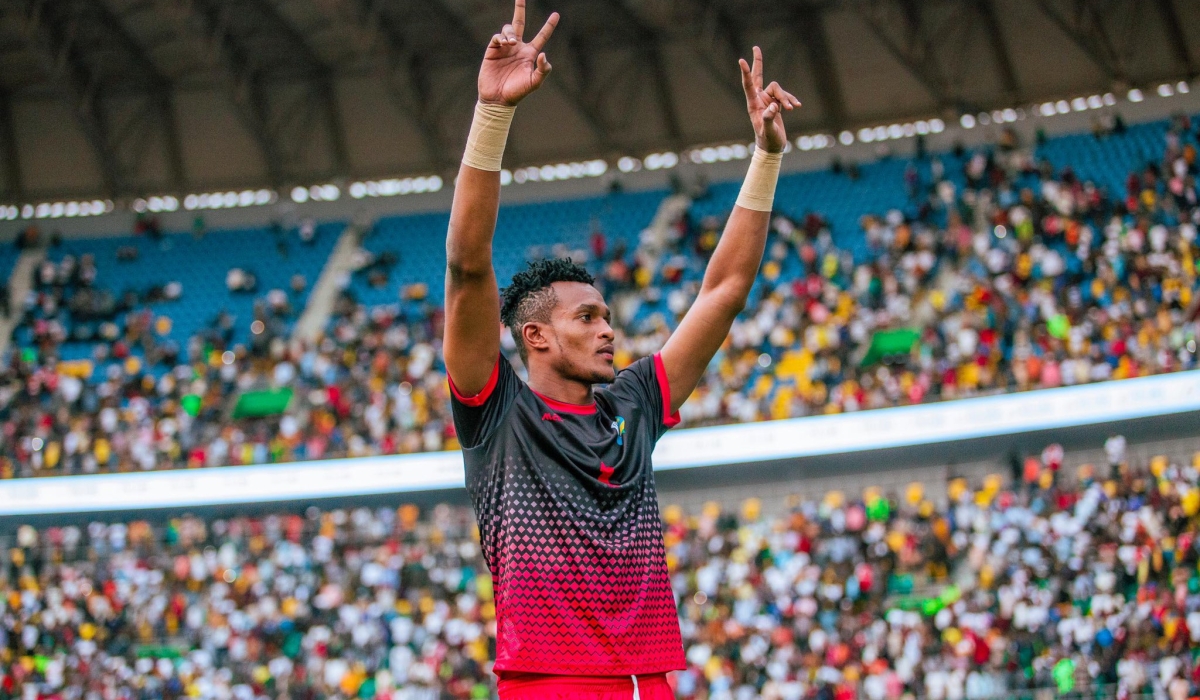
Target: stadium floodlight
1109, 99
628, 164
1182, 87
1095, 102
1136, 95
967, 121
1009, 114
895, 131
804, 143
1062, 106
937, 126
1079, 104
846, 137
866, 135
299, 195
1165, 90
506, 177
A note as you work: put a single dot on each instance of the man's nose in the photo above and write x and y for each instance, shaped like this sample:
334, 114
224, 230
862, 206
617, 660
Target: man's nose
607, 332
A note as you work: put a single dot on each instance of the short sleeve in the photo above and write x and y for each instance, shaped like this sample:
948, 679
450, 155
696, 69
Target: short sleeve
475, 417
645, 382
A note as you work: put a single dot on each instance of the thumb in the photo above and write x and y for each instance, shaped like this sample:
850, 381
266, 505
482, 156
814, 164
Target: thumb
541, 69
771, 111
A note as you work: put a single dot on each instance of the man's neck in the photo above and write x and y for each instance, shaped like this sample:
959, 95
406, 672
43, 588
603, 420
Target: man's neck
556, 387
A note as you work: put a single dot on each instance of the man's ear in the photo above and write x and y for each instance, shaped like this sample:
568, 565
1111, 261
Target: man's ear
534, 334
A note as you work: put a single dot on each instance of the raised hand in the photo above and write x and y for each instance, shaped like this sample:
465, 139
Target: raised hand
764, 105
512, 68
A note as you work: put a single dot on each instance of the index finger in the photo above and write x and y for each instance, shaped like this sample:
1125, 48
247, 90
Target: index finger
755, 71
518, 21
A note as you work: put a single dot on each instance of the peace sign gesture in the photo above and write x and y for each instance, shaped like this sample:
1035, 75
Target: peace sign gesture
764, 105
512, 68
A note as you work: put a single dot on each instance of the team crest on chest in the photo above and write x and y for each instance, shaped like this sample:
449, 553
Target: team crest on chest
618, 427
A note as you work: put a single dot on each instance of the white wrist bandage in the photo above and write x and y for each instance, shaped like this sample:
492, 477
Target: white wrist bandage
489, 133
758, 190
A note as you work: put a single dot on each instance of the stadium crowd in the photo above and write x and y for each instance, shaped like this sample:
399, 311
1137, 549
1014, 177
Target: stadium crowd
1015, 276
1083, 581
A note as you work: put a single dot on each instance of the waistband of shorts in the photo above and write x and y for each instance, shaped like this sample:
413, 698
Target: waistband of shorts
520, 680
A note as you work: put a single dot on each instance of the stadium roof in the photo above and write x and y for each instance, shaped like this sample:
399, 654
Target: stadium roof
130, 97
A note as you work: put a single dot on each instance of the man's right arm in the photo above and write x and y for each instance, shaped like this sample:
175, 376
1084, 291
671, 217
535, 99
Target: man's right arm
511, 70
472, 340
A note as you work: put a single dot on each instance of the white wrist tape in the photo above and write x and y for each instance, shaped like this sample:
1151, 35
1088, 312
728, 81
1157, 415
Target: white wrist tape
489, 133
758, 189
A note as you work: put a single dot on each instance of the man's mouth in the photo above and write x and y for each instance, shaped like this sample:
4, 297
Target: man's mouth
606, 352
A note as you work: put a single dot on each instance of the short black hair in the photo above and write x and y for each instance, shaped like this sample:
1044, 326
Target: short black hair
530, 297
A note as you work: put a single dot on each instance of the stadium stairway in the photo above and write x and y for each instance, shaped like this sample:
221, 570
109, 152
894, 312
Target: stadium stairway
334, 274
671, 210
20, 281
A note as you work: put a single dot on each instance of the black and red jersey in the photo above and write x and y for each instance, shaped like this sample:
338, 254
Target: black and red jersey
569, 523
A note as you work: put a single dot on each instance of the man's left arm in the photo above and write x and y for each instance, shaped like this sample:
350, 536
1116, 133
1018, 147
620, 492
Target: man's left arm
734, 263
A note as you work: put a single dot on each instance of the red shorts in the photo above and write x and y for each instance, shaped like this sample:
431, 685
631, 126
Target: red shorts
538, 686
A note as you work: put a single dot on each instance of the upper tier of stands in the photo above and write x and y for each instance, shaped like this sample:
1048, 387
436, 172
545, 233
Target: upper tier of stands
896, 243
522, 230
200, 264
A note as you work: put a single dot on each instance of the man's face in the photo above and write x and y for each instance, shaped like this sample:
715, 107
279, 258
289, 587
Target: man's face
580, 343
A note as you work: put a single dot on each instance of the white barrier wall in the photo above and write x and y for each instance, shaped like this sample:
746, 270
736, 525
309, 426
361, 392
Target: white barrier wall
682, 449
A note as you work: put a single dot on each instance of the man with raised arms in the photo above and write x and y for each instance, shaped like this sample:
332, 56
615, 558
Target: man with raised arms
558, 467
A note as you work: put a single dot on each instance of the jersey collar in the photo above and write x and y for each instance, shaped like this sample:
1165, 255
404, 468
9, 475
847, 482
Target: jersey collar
578, 409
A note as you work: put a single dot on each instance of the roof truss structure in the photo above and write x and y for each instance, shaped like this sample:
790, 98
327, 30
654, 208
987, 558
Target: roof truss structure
631, 74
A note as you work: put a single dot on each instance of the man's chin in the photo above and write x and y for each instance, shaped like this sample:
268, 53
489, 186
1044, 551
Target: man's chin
604, 376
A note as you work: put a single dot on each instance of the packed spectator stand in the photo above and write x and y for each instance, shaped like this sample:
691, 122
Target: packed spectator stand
1078, 581
1012, 267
